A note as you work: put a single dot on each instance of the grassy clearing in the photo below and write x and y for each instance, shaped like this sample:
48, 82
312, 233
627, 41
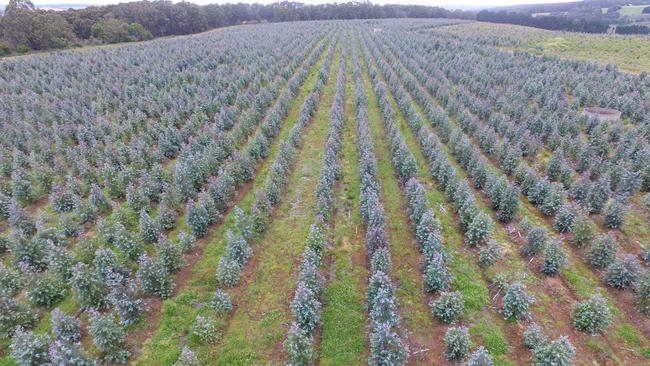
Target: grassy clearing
344, 337
180, 311
257, 328
631, 53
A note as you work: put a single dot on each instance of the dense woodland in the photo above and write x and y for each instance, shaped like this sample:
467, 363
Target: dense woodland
24, 28
560, 23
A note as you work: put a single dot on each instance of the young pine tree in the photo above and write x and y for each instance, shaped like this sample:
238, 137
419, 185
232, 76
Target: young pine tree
516, 302
592, 316
108, 336
457, 343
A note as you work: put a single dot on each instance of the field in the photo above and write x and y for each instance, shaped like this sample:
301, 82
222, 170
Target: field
394, 192
629, 53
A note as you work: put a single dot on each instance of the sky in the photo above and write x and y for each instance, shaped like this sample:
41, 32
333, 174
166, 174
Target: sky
450, 4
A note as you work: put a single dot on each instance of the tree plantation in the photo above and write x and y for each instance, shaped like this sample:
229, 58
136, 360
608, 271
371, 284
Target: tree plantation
381, 192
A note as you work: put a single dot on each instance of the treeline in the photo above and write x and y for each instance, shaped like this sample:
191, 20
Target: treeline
544, 22
24, 28
551, 22
632, 29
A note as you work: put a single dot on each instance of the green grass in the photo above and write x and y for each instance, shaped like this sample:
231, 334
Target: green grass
257, 327
631, 53
179, 312
344, 336
632, 10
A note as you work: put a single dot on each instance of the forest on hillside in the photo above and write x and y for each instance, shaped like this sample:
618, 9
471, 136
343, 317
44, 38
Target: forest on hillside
24, 28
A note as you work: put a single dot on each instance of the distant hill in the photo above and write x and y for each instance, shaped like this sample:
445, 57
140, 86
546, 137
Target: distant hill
591, 16
575, 6
54, 6
606, 11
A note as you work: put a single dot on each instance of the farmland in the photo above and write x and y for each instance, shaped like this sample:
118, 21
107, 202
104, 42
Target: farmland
383, 192
629, 52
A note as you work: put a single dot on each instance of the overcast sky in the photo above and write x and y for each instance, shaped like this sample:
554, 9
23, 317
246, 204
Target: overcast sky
451, 4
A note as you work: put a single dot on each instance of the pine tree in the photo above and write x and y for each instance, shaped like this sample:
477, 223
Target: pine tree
135, 200
88, 287
29, 349
69, 225
489, 254
386, 347
457, 343
436, 275
237, 249
565, 218
537, 237
428, 225
66, 328
306, 308
106, 263
22, 188
261, 212
480, 229
13, 314
534, 338
69, 354
557, 353
624, 272
598, 196
98, 199
228, 272
592, 316
187, 358
46, 290
221, 302
186, 242
63, 200
298, 346
310, 276
205, 330
170, 255
583, 232
554, 198
602, 252
166, 219
384, 309
378, 280
149, 229
154, 277
5, 203
197, 219
123, 296
615, 215
244, 223
642, 297
481, 357
554, 258
108, 337
316, 240
21, 221
516, 302
508, 204
380, 261
448, 307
